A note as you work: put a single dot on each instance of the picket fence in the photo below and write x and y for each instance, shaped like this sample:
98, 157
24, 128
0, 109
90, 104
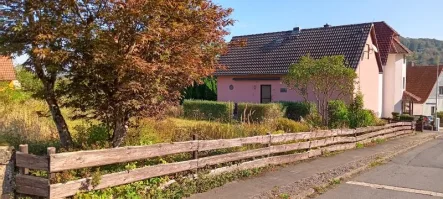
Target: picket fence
274, 151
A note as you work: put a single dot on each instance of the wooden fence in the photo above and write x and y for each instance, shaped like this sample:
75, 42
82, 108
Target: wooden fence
313, 143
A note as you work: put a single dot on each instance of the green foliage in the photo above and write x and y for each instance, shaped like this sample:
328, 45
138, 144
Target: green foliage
338, 114
325, 77
250, 112
359, 117
92, 135
290, 126
424, 50
181, 188
395, 115
406, 117
207, 90
359, 145
29, 82
208, 110
11, 95
298, 110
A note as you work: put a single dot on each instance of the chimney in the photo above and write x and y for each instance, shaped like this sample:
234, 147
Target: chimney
327, 25
296, 30
411, 63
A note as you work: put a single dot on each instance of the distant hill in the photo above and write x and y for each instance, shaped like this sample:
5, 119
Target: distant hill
425, 50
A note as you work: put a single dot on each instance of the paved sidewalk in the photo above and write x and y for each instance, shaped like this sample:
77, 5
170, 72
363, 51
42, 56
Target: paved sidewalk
260, 186
417, 173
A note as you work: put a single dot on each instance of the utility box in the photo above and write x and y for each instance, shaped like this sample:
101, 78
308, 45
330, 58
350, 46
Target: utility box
437, 124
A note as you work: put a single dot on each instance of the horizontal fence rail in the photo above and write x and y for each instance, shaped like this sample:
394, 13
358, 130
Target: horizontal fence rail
313, 143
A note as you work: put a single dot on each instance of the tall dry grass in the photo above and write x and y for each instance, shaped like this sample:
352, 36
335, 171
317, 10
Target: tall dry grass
27, 122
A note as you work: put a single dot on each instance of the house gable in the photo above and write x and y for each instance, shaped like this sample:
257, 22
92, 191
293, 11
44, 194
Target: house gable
7, 72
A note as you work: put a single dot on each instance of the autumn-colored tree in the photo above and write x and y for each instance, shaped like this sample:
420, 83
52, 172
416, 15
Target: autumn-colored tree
138, 56
326, 78
43, 31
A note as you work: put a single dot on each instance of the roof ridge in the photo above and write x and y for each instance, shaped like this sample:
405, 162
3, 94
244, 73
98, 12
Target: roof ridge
345, 25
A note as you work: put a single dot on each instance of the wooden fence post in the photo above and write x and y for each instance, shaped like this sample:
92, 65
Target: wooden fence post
24, 149
269, 143
195, 153
50, 150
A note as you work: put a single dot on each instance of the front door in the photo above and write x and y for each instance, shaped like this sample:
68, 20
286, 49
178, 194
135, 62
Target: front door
265, 93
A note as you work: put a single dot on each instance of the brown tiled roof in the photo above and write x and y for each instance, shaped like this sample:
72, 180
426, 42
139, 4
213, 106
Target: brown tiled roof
273, 53
398, 48
7, 72
387, 40
420, 80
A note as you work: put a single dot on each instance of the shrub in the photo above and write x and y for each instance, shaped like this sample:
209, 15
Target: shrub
338, 114
290, 126
298, 110
208, 110
249, 112
395, 115
359, 117
406, 117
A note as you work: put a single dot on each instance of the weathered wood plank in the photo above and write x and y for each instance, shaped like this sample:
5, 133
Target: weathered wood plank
32, 185
83, 159
109, 180
205, 145
284, 159
31, 161
289, 147
242, 166
339, 147
332, 140
289, 137
229, 157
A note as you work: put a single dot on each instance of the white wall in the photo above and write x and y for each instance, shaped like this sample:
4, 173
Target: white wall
394, 72
431, 99
380, 94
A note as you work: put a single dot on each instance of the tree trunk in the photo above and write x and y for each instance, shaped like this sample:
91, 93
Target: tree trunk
120, 130
60, 123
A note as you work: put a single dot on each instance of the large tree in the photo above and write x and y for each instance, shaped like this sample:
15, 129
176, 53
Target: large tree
117, 59
43, 31
326, 78
140, 55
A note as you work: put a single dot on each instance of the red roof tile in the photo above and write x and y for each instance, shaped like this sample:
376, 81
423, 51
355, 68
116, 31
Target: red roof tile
387, 40
7, 71
273, 53
420, 80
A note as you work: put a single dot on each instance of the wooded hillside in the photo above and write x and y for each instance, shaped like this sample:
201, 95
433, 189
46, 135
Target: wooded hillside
425, 50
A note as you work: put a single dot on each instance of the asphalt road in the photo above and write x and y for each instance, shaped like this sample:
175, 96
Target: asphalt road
415, 174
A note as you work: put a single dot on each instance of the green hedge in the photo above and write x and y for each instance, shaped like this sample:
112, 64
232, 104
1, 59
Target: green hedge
208, 110
297, 110
338, 114
250, 112
406, 117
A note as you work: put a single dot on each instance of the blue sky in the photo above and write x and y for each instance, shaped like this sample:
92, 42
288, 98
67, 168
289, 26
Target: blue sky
411, 18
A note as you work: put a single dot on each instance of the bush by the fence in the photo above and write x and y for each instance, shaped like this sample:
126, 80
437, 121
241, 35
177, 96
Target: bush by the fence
297, 110
338, 114
406, 117
208, 110
290, 126
362, 118
395, 115
250, 112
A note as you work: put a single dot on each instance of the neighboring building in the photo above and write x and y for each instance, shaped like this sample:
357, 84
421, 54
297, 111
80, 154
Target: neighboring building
421, 84
7, 72
253, 72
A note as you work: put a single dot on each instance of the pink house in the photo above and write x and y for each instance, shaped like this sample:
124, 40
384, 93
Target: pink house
253, 72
